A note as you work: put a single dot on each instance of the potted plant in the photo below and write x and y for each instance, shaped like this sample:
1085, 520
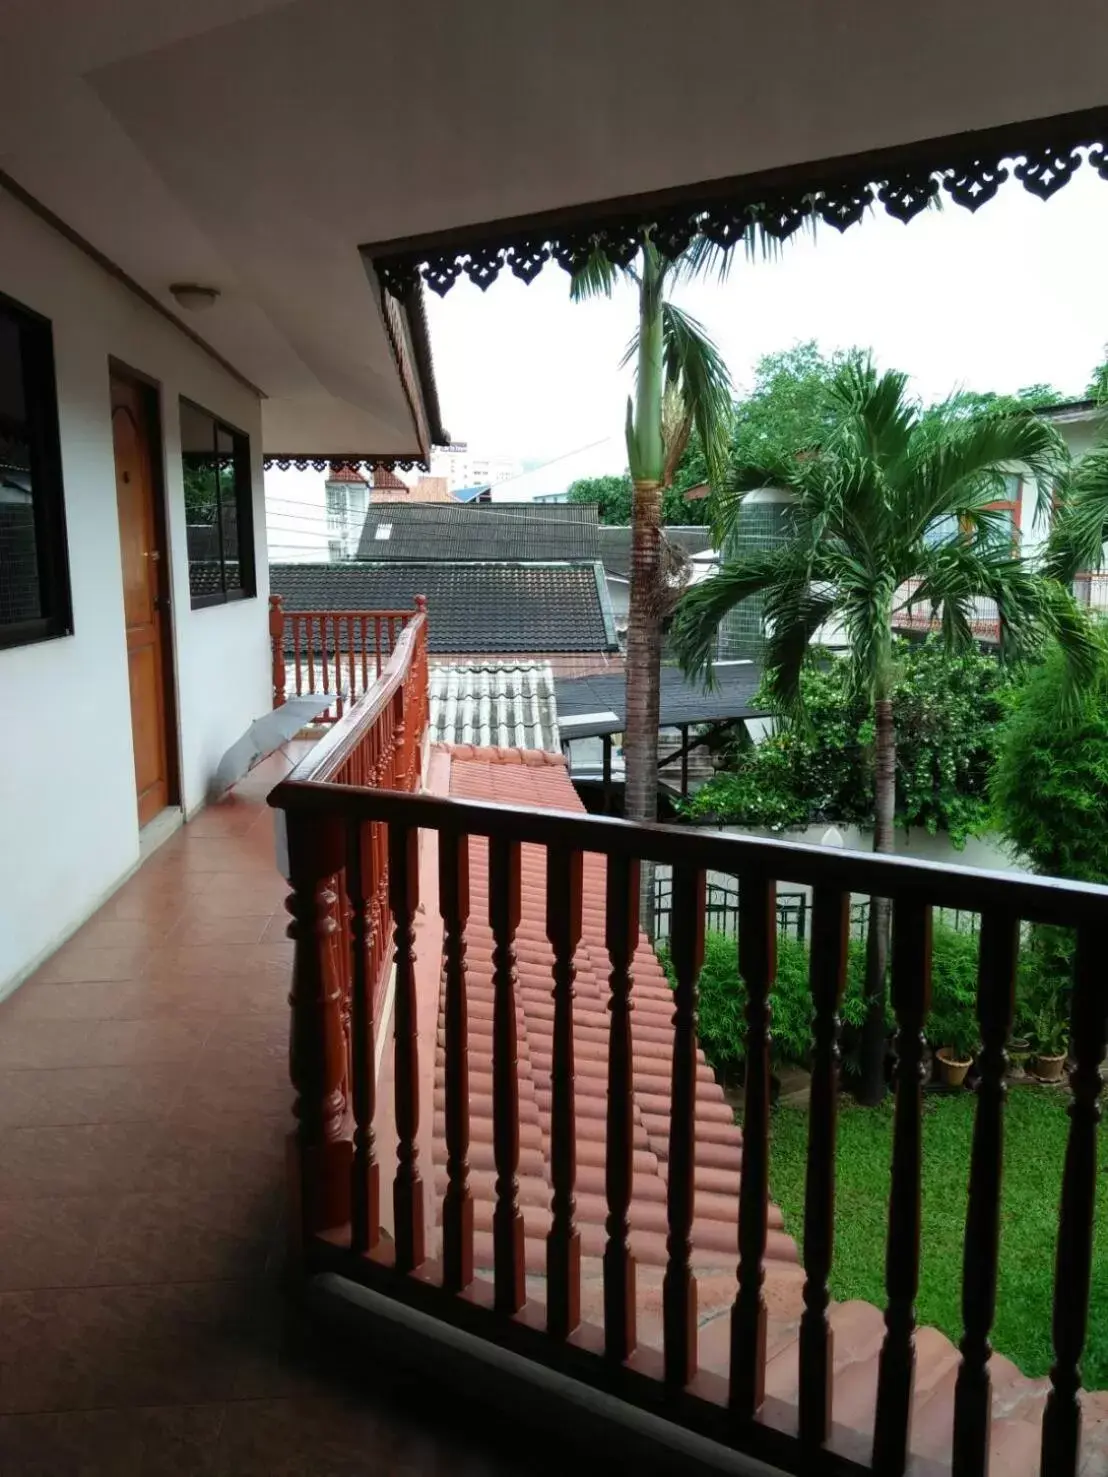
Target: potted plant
1050, 1040
960, 1041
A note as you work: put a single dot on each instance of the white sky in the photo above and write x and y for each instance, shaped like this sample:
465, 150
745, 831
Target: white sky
1014, 295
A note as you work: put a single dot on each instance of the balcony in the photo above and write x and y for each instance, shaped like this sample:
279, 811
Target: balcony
505, 1132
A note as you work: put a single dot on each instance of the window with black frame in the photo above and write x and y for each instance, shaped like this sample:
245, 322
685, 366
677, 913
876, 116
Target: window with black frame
218, 508
34, 568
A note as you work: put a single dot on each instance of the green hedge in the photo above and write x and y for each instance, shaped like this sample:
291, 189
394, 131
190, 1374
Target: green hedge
952, 1021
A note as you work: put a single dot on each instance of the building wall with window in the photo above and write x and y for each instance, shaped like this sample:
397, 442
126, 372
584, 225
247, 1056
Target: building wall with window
68, 811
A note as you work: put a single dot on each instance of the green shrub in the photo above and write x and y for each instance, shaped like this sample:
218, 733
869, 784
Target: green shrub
722, 999
947, 711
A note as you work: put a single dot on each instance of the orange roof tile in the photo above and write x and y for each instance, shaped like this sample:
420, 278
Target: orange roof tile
530, 781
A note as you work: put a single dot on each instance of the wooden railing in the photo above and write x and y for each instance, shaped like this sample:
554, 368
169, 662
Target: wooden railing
339, 905
340, 1162
336, 654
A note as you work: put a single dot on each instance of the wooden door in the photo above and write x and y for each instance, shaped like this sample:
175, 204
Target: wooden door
140, 542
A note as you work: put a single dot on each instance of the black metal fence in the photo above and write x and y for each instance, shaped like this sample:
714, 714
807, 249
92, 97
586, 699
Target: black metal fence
793, 908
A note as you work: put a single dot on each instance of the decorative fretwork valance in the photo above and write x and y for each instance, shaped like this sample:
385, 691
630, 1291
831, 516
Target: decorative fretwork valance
967, 169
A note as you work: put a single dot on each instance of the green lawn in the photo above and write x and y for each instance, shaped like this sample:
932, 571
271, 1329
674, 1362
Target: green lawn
1035, 1138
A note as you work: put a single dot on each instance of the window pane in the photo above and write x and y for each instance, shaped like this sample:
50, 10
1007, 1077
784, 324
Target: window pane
201, 502
20, 591
218, 498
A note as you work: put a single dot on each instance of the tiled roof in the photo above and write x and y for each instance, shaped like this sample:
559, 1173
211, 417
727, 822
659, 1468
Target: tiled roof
510, 705
346, 474
457, 531
615, 544
383, 477
718, 1154
473, 608
598, 704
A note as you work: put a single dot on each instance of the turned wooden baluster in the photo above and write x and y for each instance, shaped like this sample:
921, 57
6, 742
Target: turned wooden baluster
407, 1187
457, 1210
320, 1190
757, 965
1088, 1025
365, 1181
564, 883
377, 641
277, 642
827, 976
310, 630
621, 937
365, 652
996, 998
323, 661
911, 997
507, 1221
679, 1285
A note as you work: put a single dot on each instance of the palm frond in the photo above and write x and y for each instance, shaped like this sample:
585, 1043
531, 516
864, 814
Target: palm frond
955, 469
596, 277
696, 622
693, 364
793, 613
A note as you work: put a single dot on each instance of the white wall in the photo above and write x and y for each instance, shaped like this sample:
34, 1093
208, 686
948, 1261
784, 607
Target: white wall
68, 818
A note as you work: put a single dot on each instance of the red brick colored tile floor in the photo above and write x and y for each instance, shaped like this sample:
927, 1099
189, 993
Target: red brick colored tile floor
144, 1101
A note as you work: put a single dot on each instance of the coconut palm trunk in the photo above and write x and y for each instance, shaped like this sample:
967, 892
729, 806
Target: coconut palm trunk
677, 367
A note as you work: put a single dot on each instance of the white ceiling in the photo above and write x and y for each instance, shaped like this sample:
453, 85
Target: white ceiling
254, 144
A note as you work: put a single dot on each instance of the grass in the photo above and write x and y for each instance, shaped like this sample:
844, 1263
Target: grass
1035, 1142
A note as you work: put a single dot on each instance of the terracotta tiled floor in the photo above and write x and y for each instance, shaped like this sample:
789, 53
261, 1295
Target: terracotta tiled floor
143, 1105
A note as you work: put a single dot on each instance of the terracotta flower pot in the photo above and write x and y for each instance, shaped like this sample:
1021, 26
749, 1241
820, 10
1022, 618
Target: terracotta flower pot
1050, 1068
952, 1068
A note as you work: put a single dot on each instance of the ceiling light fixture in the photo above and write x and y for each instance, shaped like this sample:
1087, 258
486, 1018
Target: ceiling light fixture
194, 299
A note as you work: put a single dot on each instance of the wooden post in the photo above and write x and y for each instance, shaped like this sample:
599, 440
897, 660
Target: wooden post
407, 1191
457, 1209
320, 1167
277, 644
996, 997
563, 1243
621, 937
911, 995
757, 965
1073, 1269
507, 1221
679, 1285
827, 974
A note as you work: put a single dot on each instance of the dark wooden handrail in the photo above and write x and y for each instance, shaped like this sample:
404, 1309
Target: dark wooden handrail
1034, 899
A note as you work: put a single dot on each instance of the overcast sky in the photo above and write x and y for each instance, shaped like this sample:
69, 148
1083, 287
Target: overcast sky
1011, 296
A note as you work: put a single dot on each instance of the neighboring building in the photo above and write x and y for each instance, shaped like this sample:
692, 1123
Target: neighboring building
480, 492
484, 531
548, 610
389, 488
347, 494
460, 466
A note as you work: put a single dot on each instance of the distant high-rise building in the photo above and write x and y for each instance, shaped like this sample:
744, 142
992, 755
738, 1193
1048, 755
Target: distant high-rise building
462, 467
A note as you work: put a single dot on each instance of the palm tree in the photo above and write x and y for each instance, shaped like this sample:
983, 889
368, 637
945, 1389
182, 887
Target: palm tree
682, 384
892, 511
